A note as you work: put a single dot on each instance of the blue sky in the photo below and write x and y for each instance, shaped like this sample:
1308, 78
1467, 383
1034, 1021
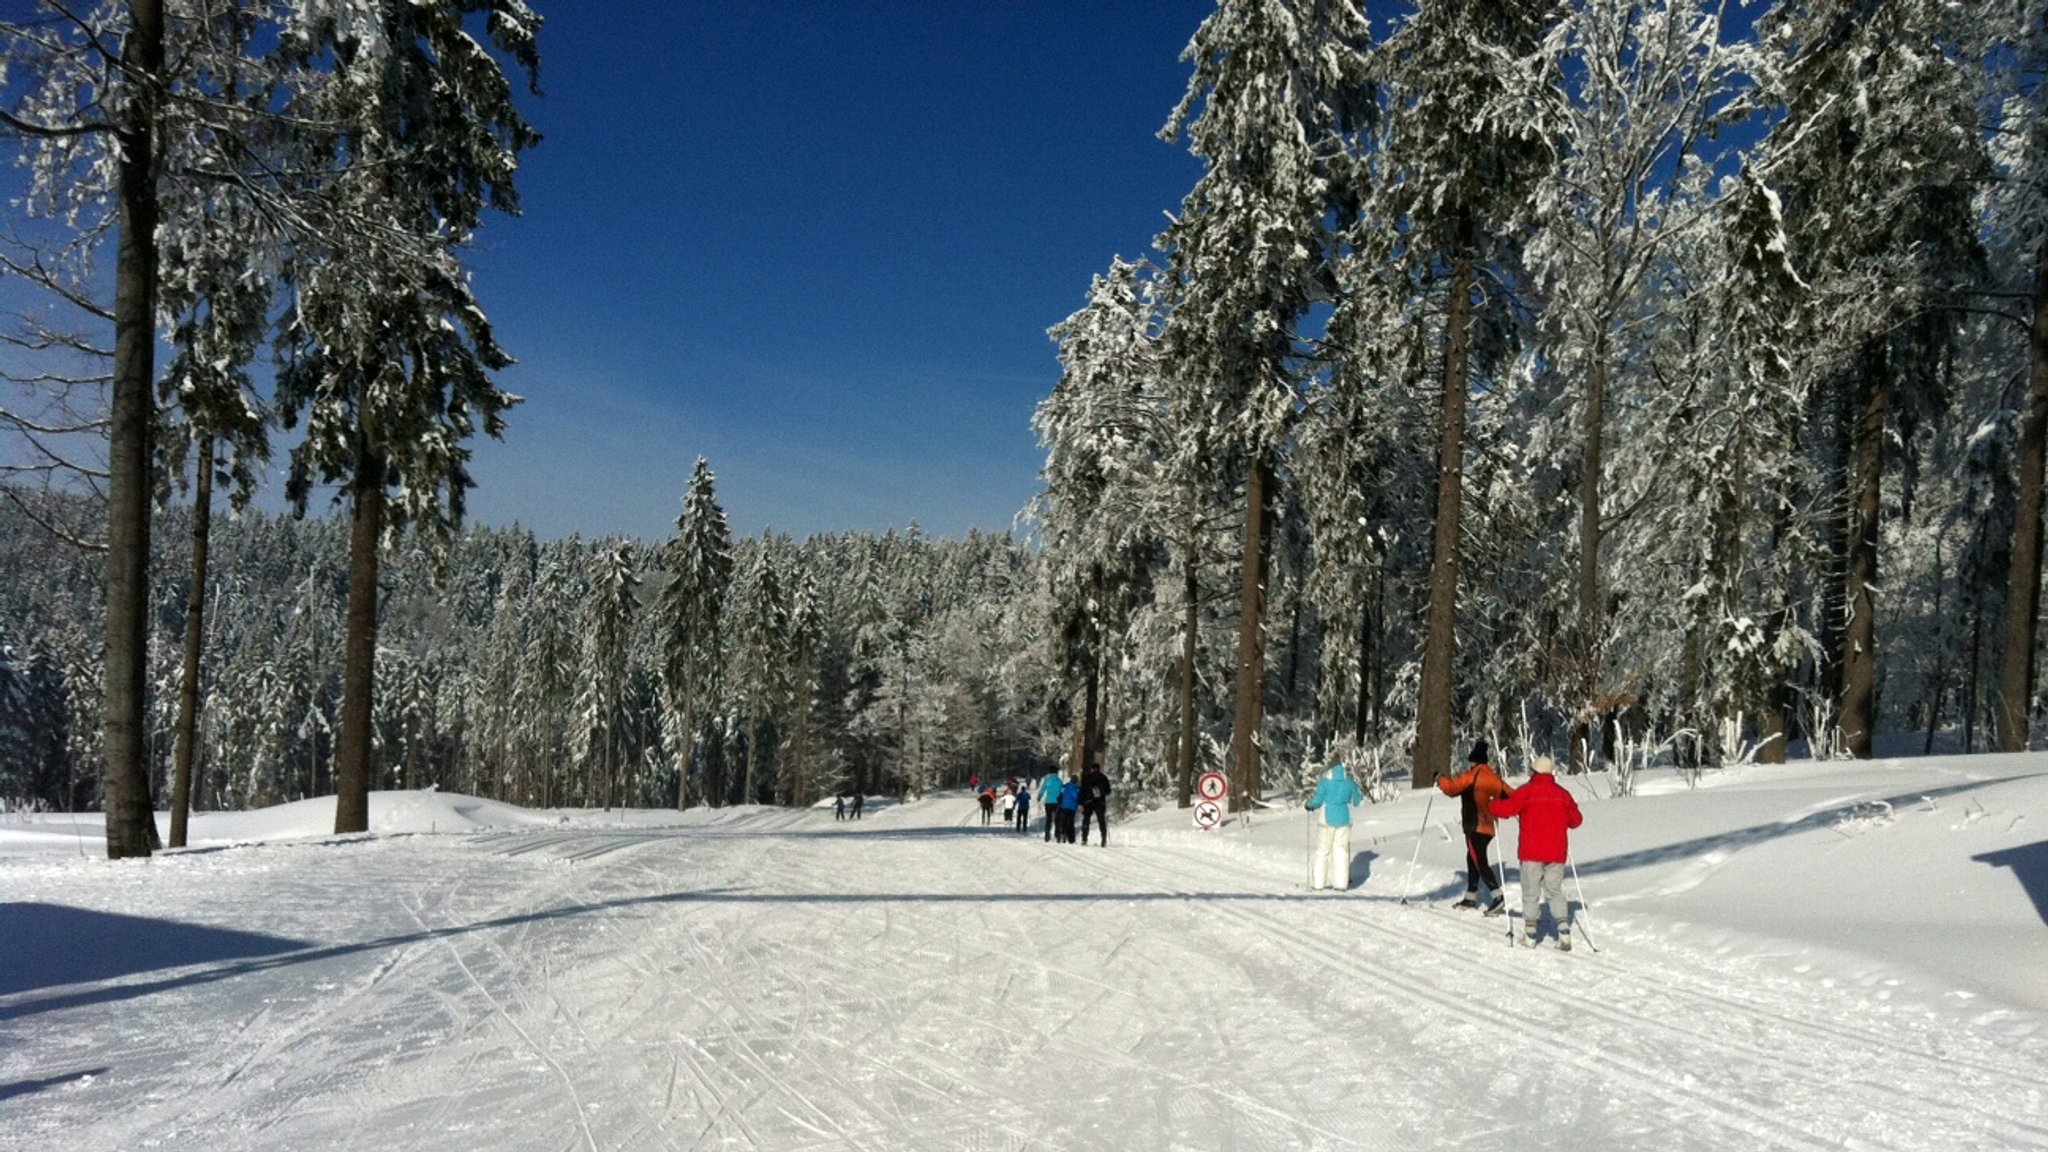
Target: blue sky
819, 243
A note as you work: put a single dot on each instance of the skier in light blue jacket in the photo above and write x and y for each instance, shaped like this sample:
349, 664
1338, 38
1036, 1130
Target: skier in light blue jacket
1335, 794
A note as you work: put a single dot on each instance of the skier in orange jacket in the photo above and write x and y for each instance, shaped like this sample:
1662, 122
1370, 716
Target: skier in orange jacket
1477, 787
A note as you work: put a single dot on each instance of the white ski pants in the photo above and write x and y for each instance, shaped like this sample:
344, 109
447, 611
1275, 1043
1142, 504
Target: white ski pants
1333, 858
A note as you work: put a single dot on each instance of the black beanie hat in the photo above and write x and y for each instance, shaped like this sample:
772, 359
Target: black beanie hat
1478, 755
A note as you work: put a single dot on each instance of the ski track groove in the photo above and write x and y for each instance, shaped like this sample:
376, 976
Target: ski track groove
1790, 1068
568, 1082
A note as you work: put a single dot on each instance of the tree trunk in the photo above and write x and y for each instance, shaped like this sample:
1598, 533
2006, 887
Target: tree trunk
1191, 620
1364, 671
1859, 650
1246, 755
2023, 598
1439, 648
359, 646
195, 637
1590, 622
131, 825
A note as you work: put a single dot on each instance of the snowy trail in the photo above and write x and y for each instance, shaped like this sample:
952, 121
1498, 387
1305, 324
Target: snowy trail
915, 981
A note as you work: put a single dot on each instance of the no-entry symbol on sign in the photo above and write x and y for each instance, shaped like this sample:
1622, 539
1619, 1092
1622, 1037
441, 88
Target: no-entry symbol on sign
1213, 786
1208, 814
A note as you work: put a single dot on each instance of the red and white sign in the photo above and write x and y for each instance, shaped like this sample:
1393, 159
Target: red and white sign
1213, 786
1208, 815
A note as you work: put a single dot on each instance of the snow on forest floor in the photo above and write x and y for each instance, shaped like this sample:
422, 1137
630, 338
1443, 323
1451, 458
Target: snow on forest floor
1804, 957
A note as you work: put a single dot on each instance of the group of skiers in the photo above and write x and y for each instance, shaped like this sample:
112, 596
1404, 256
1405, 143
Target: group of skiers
846, 806
1547, 811
1070, 804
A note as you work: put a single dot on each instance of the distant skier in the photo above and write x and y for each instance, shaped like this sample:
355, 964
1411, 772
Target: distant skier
1095, 801
839, 806
988, 805
1335, 794
859, 798
1548, 814
1070, 801
1008, 804
1478, 786
1049, 799
1024, 807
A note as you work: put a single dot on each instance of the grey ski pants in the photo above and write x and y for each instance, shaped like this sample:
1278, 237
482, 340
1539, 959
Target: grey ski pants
1548, 879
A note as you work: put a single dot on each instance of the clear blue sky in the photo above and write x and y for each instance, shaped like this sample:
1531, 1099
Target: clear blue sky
819, 243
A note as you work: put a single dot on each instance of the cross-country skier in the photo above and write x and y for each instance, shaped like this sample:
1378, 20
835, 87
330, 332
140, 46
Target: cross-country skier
1335, 794
1548, 814
1049, 799
1024, 806
1070, 802
1477, 787
1095, 801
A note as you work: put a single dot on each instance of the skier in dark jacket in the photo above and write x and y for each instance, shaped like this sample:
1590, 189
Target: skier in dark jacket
1477, 787
1548, 814
1095, 802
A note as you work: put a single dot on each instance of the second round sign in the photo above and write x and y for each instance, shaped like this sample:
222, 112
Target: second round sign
1208, 814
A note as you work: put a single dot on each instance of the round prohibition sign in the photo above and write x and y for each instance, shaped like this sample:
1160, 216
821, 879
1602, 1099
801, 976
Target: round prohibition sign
1213, 785
1208, 814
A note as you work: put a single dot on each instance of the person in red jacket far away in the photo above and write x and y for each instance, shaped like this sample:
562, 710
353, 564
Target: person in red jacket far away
1548, 815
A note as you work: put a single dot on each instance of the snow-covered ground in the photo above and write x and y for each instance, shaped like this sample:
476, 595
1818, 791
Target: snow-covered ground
1816, 956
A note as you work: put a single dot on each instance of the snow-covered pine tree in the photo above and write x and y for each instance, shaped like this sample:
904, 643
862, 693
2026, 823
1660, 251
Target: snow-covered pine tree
1105, 442
387, 354
1278, 98
698, 559
761, 658
2018, 225
1468, 133
1868, 93
601, 688
1641, 88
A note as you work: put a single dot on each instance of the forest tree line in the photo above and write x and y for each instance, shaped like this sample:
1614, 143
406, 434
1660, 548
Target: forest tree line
1606, 377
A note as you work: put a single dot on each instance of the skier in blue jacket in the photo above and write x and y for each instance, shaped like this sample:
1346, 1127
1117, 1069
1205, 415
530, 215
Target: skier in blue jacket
1335, 794
1049, 800
1070, 802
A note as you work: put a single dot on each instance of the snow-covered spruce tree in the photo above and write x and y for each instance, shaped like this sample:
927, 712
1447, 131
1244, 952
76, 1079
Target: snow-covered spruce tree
761, 658
798, 781
601, 686
1102, 507
1740, 534
1277, 101
1468, 133
91, 117
2018, 210
1641, 87
1877, 157
387, 354
546, 686
218, 272
698, 560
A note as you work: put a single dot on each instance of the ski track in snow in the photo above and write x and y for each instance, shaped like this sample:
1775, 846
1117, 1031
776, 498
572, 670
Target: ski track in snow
912, 981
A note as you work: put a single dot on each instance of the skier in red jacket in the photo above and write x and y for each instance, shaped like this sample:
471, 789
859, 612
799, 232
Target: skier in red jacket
1548, 814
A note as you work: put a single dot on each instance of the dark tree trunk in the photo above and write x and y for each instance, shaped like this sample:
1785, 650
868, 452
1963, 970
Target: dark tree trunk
1590, 615
2023, 598
1246, 753
195, 638
131, 825
1191, 620
1439, 647
1364, 672
1859, 650
359, 646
